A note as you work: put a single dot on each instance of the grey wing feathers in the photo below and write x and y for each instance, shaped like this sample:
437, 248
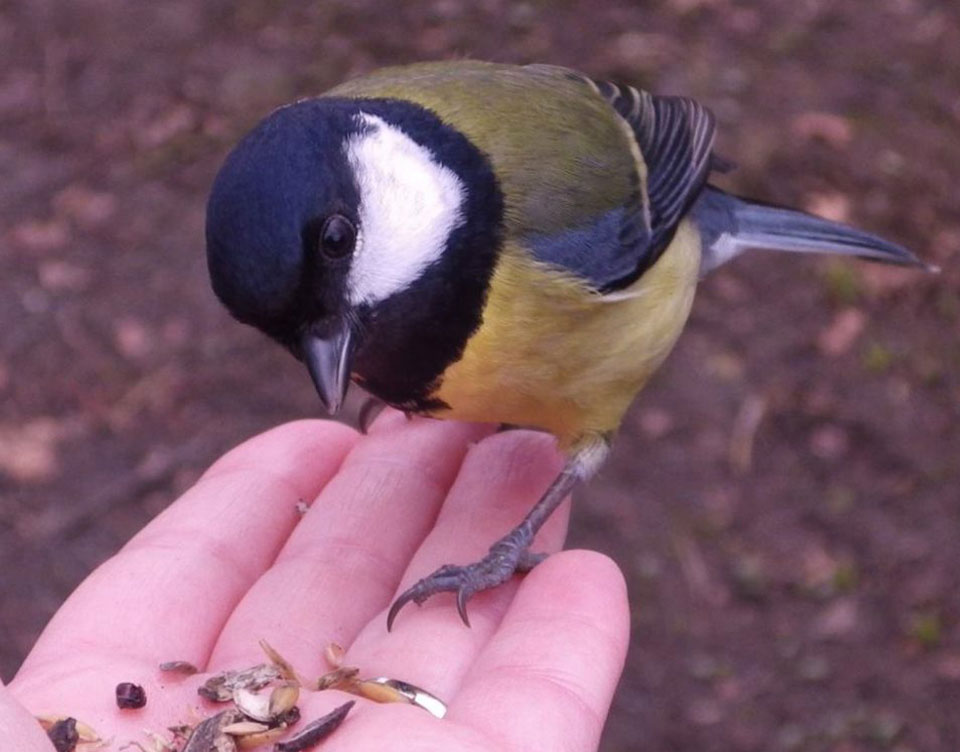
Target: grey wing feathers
679, 155
675, 136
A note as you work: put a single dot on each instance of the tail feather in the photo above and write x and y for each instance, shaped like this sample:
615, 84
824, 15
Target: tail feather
730, 225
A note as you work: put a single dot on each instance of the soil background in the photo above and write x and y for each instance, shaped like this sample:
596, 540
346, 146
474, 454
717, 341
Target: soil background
785, 496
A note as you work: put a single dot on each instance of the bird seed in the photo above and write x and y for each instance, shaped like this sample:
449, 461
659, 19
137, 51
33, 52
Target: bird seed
221, 687
130, 696
316, 731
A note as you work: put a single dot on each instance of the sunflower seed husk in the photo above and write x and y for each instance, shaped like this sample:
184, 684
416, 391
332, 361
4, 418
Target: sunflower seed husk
315, 732
220, 687
253, 705
208, 736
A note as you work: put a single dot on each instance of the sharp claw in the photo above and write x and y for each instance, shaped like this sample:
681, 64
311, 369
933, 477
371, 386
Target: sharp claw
462, 597
395, 609
495, 569
369, 410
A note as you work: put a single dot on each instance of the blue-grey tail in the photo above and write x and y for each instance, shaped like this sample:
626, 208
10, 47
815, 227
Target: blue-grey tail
730, 225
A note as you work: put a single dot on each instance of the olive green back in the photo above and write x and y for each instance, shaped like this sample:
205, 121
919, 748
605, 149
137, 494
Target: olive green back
559, 150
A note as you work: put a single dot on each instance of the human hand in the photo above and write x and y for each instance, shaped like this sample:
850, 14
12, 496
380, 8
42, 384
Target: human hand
232, 562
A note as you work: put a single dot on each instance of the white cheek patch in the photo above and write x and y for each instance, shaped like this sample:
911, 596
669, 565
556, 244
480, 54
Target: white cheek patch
409, 206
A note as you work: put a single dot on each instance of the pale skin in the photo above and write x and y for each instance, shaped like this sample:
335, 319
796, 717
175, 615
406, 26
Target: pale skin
232, 561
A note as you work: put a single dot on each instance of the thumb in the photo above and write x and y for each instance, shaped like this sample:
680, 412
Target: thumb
18, 729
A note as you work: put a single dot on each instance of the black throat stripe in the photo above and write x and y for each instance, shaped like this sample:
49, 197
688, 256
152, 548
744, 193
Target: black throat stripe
409, 339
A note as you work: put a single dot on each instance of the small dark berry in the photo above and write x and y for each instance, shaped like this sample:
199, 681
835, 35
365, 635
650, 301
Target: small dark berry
130, 696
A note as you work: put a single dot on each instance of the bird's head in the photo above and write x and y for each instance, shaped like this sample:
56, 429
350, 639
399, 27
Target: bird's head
361, 235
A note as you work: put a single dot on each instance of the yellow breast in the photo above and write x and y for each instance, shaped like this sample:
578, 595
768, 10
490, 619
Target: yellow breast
553, 354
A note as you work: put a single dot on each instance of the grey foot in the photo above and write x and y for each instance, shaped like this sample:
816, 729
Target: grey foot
506, 556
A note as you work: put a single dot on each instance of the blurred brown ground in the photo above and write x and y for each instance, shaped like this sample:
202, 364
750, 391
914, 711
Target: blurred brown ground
785, 496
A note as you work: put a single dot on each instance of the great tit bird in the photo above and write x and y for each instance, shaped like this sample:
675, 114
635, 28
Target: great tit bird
485, 242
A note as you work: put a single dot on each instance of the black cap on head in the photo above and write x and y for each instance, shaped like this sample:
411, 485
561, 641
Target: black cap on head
266, 208
284, 235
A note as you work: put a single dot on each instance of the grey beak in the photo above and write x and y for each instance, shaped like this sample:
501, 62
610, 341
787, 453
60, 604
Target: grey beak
329, 358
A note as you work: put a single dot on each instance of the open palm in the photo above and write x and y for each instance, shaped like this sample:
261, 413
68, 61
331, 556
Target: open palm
233, 561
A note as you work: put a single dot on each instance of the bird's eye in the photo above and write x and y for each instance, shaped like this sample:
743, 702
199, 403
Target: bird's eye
337, 237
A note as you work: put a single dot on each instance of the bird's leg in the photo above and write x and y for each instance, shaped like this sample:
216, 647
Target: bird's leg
511, 553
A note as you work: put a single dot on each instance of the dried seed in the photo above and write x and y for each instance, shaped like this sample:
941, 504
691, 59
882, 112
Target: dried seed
130, 696
245, 728
283, 698
208, 736
333, 654
380, 692
86, 733
315, 732
338, 678
413, 694
287, 671
258, 740
64, 735
179, 667
252, 705
220, 688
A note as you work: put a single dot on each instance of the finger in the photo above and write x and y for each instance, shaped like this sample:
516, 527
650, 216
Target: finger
553, 665
389, 419
342, 563
371, 725
167, 593
20, 730
501, 479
